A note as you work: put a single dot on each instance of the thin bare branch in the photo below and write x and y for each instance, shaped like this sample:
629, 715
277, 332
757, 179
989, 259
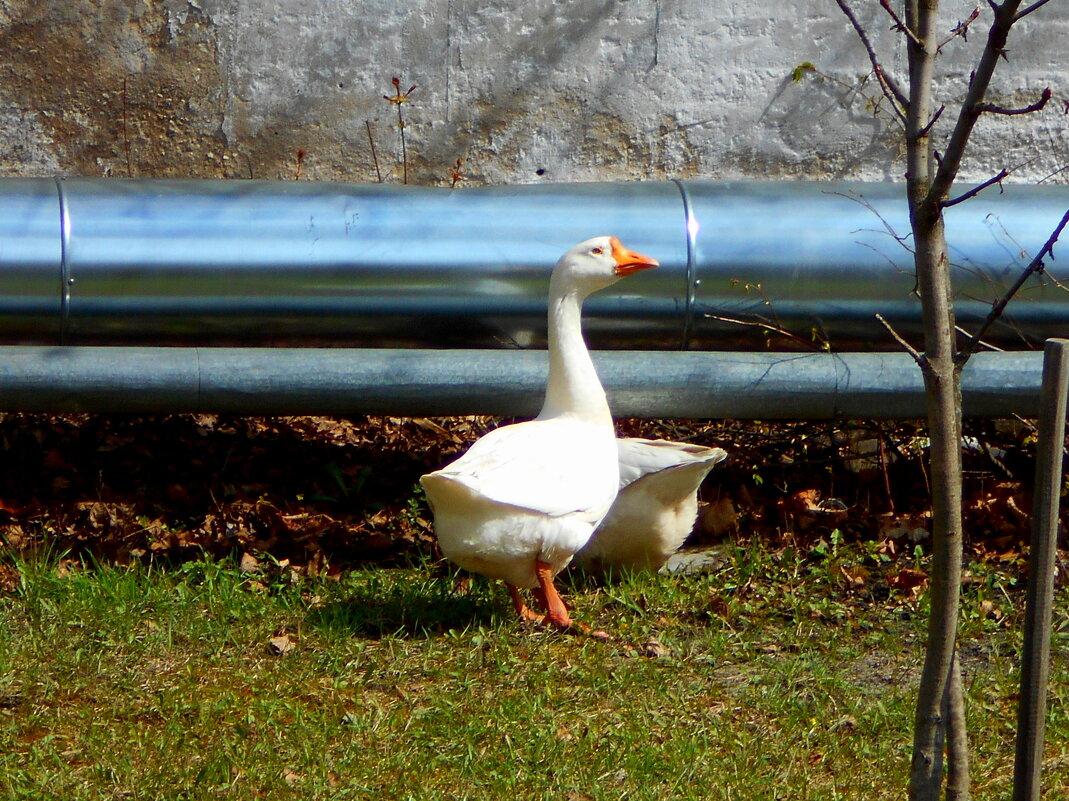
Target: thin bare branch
890, 88
1037, 265
927, 129
991, 108
982, 344
976, 190
768, 328
899, 25
961, 29
374, 154
970, 108
917, 356
1025, 12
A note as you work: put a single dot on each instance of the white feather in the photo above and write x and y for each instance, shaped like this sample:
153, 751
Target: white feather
655, 509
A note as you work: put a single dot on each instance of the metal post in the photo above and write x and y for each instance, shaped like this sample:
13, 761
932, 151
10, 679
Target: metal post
1035, 659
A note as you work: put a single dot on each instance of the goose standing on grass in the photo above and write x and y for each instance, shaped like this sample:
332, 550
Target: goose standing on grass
526, 497
655, 509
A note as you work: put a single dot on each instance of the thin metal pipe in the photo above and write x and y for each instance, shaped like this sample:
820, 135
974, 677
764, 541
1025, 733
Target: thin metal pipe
148, 261
511, 383
1035, 658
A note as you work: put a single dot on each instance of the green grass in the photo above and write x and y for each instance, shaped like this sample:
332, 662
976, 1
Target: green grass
768, 678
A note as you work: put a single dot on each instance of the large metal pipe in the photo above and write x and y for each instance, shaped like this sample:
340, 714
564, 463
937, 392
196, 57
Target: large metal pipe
444, 382
89, 261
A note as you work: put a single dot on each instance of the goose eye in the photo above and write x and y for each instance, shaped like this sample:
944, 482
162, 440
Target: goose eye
597, 251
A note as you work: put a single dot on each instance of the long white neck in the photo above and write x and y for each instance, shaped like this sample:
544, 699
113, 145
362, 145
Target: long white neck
573, 389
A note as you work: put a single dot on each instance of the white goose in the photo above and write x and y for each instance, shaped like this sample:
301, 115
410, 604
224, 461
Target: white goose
526, 497
656, 506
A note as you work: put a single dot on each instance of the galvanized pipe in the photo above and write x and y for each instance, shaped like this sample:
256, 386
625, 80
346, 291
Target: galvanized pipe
91, 261
445, 382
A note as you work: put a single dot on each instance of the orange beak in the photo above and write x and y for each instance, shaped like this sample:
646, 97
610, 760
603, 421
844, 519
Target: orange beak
627, 261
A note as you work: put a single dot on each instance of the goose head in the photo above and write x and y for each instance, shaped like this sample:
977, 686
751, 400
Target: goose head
598, 263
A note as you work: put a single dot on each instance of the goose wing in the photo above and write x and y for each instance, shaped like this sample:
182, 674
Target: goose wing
555, 467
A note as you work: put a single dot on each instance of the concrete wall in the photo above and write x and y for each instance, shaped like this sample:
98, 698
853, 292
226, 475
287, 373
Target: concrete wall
543, 90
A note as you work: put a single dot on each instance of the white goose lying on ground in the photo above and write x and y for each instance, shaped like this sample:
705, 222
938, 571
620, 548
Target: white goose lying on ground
526, 497
656, 506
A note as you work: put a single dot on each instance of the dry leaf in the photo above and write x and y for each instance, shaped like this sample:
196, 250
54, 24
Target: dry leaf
855, 576
281, 645
655, 649
912, 527
249, 563
909, 580
806, 508
10, 580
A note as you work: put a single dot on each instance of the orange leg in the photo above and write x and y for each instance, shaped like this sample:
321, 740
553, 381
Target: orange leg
556, 611
522, 609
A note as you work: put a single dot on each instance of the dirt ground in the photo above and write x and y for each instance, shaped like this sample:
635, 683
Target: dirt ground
321, 494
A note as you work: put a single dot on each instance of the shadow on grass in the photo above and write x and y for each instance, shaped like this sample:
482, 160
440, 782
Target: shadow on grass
399, 610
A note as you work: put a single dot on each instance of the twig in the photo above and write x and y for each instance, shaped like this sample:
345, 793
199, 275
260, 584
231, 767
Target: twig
997, 179
399, 99
901, 240
961, 29
917, 357
928, 128
882, 450
300, 163
1037, 265
970, 108
891, 91
899, 25
374, 155
767, 326
1030, 9
991, 108
457, 174
987, 345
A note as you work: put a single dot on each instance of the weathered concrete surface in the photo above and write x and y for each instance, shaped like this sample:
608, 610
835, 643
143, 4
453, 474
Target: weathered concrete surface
540, 91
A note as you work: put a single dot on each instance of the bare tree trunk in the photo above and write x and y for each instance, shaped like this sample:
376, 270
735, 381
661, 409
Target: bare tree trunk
940, 713
942, 382
957, 742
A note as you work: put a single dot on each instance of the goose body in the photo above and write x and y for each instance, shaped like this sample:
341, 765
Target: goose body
655, 508
525, 497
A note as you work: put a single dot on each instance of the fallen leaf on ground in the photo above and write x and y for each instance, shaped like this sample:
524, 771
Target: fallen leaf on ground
909, 580
912, 527
10, 580
249, 563
854, 576
654, 649
281, 645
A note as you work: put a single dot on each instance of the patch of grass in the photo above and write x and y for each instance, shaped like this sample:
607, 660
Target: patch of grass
774, 676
